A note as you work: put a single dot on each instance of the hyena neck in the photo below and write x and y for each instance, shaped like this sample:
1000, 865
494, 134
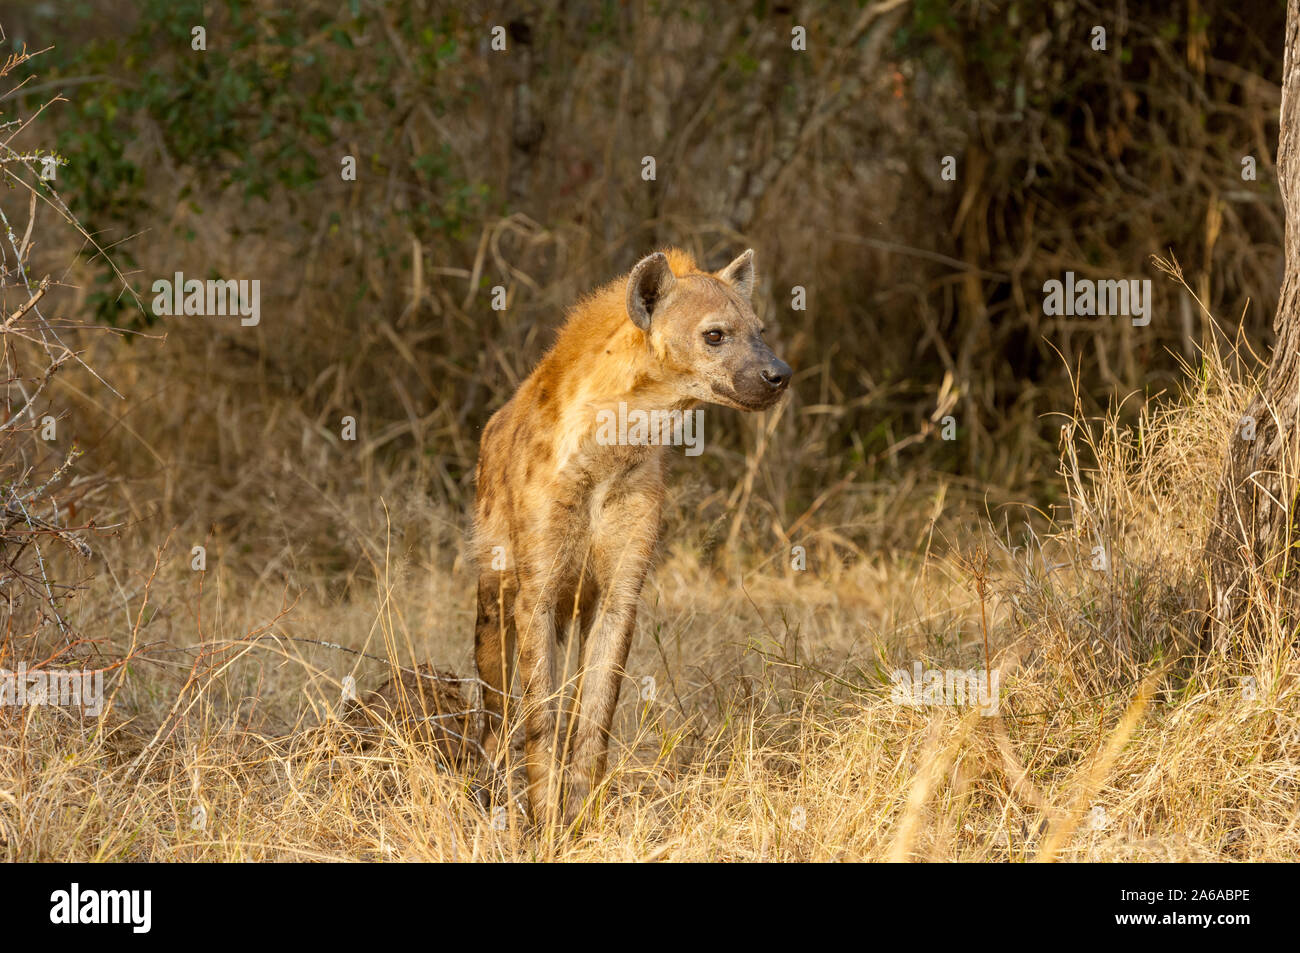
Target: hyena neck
615, 369
589, 389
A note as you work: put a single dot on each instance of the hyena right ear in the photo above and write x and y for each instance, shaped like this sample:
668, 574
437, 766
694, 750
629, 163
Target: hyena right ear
650, 280
740, 274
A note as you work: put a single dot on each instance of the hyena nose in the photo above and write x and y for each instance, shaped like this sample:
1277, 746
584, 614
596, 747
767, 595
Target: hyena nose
777, 374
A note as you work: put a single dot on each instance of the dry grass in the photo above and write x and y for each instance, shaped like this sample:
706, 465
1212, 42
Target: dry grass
770, 735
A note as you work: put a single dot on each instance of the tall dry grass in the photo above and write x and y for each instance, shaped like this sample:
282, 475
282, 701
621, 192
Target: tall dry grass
770, 733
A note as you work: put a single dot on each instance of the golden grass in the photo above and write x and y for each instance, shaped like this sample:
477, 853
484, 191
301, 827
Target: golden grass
770, 735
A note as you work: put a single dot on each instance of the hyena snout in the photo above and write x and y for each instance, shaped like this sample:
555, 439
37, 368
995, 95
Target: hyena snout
776, 375
762, 381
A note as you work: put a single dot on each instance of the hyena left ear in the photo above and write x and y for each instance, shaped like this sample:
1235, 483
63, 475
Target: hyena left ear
740, 273
650, 280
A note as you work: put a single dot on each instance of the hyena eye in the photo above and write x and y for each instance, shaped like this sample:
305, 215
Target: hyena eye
713, 336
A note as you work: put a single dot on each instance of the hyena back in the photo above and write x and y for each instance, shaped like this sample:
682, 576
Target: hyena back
565, 525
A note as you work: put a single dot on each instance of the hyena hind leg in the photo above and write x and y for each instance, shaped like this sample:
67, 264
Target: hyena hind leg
494, 656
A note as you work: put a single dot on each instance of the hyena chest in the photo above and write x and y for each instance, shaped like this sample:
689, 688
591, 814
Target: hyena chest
606, 492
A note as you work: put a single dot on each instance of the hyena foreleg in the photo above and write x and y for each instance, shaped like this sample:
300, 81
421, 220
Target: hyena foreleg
623, 558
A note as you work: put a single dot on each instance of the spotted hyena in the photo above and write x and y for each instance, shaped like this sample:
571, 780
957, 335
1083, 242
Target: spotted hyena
566, 522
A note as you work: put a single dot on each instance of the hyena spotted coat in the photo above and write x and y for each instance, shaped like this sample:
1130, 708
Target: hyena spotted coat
565, 525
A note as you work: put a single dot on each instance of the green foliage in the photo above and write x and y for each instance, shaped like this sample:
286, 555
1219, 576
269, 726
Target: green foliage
268, 108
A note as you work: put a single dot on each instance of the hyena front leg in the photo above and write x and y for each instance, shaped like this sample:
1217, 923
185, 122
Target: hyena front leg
623, 555
535, 621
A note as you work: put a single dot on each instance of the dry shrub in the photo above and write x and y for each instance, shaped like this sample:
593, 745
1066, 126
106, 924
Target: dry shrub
426, 704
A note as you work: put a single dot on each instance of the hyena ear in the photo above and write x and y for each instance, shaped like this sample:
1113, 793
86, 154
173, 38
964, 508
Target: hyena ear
650, 280
740, 274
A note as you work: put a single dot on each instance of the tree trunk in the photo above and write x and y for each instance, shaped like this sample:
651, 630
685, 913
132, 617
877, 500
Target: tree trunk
1250, 551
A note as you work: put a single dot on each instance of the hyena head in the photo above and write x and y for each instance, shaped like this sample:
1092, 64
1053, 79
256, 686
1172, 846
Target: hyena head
705, 334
